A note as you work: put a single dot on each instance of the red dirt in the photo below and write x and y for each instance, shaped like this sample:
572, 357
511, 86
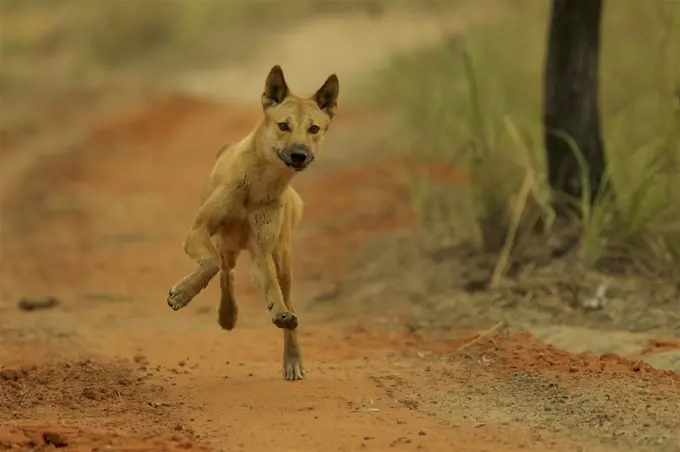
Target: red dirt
522, 352
113, 368
41, 438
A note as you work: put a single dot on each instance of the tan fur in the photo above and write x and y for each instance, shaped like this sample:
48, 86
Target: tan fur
249, 205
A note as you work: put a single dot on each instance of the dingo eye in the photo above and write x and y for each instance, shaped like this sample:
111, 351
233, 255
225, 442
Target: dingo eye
283, 126
314, 130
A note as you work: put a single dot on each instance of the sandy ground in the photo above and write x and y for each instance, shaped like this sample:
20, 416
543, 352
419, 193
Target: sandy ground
98, 225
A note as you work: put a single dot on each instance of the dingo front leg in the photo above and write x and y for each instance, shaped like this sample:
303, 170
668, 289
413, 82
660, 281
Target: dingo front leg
197, 242
227, 312
199, 246
264, 227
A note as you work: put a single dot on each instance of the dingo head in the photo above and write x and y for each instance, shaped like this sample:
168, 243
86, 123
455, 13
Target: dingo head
294, 127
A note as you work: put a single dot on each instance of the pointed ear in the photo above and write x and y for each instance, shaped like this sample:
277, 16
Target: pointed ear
327, 96
275, 88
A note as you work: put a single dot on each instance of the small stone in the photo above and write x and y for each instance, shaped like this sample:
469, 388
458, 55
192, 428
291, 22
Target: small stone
37, 303
55, 439
140, 359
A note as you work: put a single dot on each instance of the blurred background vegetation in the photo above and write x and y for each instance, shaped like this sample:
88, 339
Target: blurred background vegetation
473, 102
476, 102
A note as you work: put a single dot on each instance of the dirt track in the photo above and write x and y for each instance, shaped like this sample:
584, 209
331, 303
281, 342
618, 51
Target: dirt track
102, 235
112, 366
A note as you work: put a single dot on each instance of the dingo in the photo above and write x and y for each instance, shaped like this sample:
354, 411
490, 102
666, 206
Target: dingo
248, 204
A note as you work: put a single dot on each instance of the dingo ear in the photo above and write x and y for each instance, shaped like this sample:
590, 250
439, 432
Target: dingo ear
327, 96
275, 88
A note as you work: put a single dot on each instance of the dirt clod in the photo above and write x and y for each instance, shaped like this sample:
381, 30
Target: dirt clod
9, 375
37, 303
54, 439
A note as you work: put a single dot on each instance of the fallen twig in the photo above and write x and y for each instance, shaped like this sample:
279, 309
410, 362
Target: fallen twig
486, 333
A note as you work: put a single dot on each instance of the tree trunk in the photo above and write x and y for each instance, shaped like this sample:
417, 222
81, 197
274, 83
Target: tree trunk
571, 97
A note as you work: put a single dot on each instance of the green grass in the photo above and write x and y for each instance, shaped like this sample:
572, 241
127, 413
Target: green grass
475, 102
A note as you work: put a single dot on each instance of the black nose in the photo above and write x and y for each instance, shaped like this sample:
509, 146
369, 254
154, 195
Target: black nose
298, 157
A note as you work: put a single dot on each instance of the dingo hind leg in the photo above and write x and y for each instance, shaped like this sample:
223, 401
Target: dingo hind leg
293, 368
227, 311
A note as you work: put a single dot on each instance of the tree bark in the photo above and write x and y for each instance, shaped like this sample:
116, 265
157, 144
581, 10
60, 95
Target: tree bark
571, 97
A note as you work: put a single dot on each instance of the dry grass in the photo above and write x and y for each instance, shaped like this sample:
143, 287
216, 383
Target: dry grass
55, 50
476, 102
